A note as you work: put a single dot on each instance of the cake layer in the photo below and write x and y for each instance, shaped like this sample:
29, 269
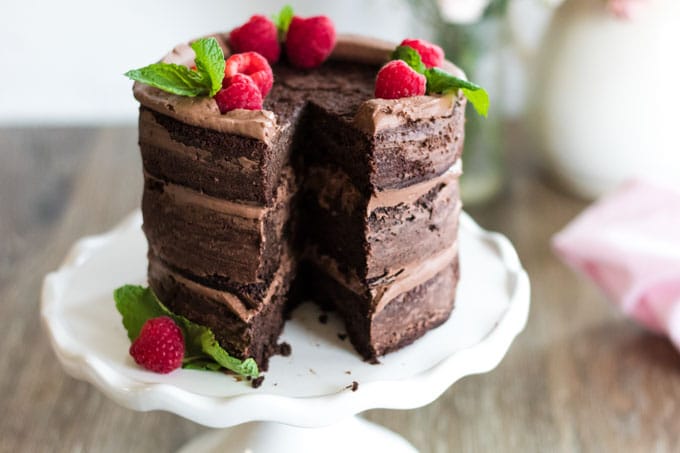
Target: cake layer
375, 234
401, 321
212, 238
242, 330
381, 291
393, 158
219, 164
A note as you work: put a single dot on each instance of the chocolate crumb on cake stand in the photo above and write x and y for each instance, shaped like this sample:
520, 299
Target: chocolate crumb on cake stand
309, 399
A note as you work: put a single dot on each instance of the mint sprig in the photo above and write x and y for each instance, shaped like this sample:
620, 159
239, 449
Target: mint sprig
137, 304
282, 20
411, 57
206, 80
210, 62
441, 82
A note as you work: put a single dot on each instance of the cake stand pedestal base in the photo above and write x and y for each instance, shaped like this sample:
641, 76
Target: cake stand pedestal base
353, 434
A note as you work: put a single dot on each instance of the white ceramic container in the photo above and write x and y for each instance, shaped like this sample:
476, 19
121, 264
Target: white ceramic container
606, 96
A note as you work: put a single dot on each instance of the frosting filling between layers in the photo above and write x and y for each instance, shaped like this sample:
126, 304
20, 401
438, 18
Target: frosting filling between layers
328, 185
226, 298
331, 185
184, 195
212, 238
152, 133
409, 194
403, 280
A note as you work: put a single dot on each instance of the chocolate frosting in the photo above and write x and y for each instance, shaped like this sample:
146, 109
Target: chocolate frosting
184, 195
377, 115
404, 279
409, 194
203, 112
330, 185
373, 116
228, 299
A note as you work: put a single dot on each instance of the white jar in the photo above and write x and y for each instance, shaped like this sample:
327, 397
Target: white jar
606, 97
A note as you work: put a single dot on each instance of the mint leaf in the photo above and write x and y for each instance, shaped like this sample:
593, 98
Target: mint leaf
210, 62
202, 364
479, 99
247, 367
173, 78
283, 19
136, 305
439, 81
202, 351
206, 80
411, 57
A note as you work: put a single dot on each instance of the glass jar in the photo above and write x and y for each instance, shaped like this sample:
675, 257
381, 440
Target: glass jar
477, 49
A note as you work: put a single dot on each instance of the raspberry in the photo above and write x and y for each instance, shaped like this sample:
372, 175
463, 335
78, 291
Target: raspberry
431, 54
259, 35
253, 65
160, 345
310, 41
241, 92
398, 80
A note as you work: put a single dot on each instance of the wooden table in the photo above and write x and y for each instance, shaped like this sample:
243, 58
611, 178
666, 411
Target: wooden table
580, 378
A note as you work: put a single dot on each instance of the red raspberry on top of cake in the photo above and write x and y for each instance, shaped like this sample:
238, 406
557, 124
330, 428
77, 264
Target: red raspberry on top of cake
431, 54
397, 80
241, 92
310, 41
259, 35
253, 65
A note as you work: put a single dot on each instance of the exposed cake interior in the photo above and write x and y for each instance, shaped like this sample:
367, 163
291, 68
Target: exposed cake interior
327, 194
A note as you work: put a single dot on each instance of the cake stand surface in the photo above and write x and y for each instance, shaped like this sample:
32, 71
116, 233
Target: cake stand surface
312, 388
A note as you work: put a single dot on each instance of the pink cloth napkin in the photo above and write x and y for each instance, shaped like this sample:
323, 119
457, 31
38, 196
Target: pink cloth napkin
628, 243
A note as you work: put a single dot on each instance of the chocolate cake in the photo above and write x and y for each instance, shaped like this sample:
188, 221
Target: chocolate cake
326, 194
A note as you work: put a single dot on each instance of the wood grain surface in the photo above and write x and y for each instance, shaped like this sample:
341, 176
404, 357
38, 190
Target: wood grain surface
580, 377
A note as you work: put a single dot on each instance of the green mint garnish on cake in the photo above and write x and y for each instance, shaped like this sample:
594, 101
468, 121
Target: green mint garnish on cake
411, 57
439, 81
137, 305
206, 80
283, 19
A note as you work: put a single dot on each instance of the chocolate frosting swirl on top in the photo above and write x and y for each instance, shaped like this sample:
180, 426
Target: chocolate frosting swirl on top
373, 116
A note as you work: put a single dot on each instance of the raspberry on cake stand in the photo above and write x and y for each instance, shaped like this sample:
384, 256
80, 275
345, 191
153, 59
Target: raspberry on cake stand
309, 399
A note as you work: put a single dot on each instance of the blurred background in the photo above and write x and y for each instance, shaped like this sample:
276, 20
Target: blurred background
542, 61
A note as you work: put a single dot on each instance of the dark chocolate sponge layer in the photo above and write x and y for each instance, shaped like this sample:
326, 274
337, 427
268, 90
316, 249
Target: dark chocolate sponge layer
210, 238
403, 320
254, 334
373, 240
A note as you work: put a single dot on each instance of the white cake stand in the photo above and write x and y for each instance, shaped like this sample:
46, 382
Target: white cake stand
312, 388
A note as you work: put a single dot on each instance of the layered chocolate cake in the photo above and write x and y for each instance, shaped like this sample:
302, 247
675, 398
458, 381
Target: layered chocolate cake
326, 194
